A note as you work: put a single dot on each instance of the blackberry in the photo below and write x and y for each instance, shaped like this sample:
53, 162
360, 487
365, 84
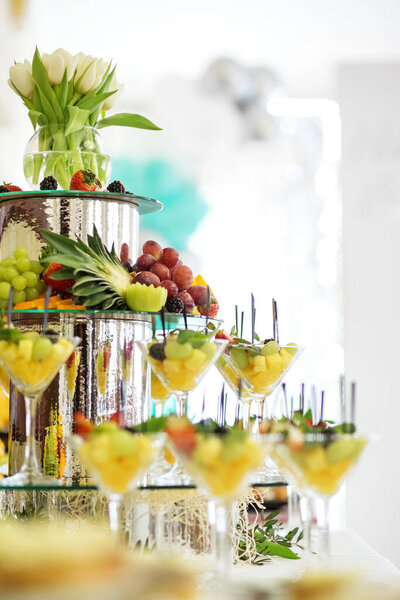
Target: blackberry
52, 335
157, 351
116, 187
3, 189
268, 340
174, 305
49, 183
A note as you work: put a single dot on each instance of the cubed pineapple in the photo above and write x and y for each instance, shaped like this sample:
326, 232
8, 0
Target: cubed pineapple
10, 352
25, 349
286, 358
274, 362
172, 365
259, 364
316, 459
195, 361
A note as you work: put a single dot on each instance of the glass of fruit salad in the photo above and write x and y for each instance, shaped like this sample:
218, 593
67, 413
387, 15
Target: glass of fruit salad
315, 464
221, 461
181, 360
116, 458
232, 379
32, 360
261, 367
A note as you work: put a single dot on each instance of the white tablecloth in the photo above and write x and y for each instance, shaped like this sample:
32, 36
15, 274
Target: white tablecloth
348, 551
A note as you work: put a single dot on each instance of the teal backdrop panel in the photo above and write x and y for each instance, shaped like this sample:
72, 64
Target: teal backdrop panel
183, 208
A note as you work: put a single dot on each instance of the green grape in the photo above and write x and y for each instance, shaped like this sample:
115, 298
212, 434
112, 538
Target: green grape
19, 283
10, 273
32, 293
41, 286
20, 252
23, 264
31, 278
3, 304
4, 290
36, 267
7, 262
1, 273
19, 296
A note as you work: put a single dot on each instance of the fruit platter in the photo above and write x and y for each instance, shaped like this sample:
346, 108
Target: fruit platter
104, 344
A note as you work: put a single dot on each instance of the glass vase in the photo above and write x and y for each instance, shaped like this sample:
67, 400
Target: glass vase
51, 152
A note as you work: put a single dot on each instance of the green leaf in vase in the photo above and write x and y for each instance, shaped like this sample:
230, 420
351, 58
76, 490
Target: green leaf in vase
77, 118
47, 94
92, 103
62, 95
34, 116
127, 120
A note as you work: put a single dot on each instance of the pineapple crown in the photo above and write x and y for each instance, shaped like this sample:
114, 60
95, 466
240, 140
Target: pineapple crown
101, 279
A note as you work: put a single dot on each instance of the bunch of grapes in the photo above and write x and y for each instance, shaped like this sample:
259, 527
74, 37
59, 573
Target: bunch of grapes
158, 266
21, 273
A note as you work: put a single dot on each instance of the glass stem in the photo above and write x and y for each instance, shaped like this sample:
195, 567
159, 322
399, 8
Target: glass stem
158, 408
115, 517
182, 404
219, 514
30, 465
260, 415
307, 520
323, 527
246, 406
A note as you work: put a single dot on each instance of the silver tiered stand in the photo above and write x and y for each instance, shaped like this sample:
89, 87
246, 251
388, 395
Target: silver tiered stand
84, 386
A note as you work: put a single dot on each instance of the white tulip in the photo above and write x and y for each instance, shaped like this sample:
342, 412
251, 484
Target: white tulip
21, 78
114, 85
89, 73
56, 64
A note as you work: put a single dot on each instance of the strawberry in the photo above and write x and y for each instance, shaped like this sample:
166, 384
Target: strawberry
12, 188
70, 361
85, 180
83, 426
222, 335
214, 306
118, 418
57, 285
182, 434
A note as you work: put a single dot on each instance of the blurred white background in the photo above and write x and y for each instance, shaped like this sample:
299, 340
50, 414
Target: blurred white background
260, 141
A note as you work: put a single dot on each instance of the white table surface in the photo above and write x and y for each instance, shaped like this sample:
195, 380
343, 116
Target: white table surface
348, 551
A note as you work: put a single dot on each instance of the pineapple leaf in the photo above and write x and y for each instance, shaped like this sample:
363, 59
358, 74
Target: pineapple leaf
96, 299
67, 260
89, 289
59, 242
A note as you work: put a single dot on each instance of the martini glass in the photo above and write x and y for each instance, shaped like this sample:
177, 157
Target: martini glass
32, 361
316, 465
221, 465
232, 379
181, 360
262, 367
117, 459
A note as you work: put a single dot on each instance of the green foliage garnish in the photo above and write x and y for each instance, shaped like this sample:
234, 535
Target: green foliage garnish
153, 425
270, 542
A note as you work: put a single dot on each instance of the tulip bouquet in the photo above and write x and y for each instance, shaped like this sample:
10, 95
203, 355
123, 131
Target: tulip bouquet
67, 97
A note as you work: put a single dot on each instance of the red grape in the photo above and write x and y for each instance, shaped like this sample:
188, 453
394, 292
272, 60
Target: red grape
199, 294
187, 301
169, 257
171, 287
147, 278
161, 271
153, 248
145, 262
183, 277
124, 252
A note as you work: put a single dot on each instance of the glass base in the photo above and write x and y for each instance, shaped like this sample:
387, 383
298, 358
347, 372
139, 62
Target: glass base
29, 478
268, 473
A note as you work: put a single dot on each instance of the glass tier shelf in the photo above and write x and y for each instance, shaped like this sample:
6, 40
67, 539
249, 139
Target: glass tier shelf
144, 204
81, 488
172, 320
